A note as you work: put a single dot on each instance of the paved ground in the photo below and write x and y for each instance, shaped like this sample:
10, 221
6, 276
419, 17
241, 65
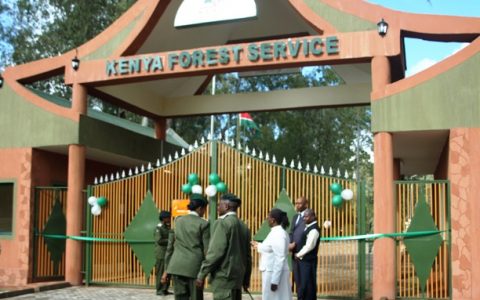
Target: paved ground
107, 293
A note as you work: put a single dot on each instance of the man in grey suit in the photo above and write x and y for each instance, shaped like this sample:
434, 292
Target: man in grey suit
297, 228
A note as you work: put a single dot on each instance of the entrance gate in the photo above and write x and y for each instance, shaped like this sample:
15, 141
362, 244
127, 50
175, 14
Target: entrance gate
49, 220
252, 175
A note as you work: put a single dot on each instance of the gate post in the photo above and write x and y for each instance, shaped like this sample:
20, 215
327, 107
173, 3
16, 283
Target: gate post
384, 206
361, 215
76, 178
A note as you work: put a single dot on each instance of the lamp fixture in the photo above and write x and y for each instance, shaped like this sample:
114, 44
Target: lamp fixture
75, 62
1, 81
382, 28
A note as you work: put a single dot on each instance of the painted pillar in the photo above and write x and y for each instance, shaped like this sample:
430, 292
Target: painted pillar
161, 128
384, 204
75, 201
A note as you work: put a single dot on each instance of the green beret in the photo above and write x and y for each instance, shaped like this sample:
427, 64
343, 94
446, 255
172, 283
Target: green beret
198, 198
231, 197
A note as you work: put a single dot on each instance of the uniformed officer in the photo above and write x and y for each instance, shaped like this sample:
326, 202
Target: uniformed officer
186, 250
228, 259
162, 231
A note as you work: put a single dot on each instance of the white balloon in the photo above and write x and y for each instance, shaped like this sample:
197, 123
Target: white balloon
92, 200
347, 194
96, 210
327, 224
197, 189
211, 190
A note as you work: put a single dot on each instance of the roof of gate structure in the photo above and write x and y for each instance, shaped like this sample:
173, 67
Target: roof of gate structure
147, 27
409, 107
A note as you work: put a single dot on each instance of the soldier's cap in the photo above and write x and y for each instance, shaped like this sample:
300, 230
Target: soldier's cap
164, 214
231, 197
198, 198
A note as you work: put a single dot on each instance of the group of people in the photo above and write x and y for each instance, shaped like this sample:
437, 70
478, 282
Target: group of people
192, 251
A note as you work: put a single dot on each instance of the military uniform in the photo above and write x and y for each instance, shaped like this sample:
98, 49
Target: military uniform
228, 259
185, 253
162, 233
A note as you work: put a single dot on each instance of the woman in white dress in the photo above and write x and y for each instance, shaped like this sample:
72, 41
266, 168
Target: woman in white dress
273, 260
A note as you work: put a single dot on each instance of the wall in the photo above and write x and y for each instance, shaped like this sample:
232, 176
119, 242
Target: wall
464, 175
14, 251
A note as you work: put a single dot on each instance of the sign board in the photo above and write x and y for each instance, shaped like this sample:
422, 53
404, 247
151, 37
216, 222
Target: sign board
180, 207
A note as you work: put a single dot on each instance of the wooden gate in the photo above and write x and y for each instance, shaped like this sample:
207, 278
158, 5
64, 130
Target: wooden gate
49, 219
257, 179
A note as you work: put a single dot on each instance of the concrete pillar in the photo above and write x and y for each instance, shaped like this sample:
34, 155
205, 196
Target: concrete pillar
384, 202
75, 201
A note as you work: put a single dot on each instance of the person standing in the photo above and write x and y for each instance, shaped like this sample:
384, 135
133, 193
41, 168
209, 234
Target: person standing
307, 257
273, 260
186, 250
162, 232
296, 231
228, 260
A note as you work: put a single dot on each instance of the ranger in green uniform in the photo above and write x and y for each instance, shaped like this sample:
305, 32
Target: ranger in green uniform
186, 250
229, 259
162, 231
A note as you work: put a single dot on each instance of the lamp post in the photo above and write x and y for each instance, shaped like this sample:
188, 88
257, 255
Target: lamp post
382, 27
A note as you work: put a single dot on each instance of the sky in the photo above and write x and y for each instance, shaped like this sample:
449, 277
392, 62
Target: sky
421, 54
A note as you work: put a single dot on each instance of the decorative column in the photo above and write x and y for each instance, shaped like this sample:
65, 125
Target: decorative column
161, 129
384, 202
75, 201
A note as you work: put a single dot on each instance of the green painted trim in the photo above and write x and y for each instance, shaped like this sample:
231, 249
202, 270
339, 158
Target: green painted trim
449, 242
212, 212
110, 138
51, 98
11, 235
36, 128
449, 100
89, 245
342, 21
361, 218
107, 49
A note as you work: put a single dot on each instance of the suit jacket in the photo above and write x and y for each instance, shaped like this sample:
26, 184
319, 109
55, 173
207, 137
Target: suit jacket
229, 258
187, 246
296, 231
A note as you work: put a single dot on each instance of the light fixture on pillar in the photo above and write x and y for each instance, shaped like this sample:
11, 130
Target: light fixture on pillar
1, 81
382, 28
75, 61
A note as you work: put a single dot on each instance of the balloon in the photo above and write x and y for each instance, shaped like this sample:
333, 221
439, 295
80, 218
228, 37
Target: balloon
327, 224
221, 187
96, 210
213, 178
187, 188
347, 194
337, 200
211, 190
92, 200
193, 178
197, 189
102, 201
336, 188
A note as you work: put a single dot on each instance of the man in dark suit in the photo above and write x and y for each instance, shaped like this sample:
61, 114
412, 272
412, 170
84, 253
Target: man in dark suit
296, 232
307, 257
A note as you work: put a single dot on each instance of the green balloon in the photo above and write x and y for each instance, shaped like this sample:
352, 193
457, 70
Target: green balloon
221, 187
193, 178
102, 201
336, 188
187, 188
337, 200
213, 178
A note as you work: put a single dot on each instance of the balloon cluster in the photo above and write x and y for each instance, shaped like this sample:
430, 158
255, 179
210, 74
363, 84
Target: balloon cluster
97, 204
215, 185
339, 195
